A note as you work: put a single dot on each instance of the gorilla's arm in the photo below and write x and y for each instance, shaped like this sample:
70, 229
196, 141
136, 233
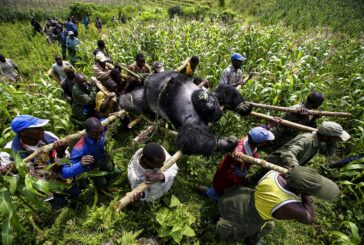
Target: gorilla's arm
194, 138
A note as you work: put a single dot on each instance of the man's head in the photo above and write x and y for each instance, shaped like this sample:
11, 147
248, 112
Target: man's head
237, 60
101, 59
81, 80
194, 61
330, 132
2, 58
58, 60
70, 72
303, 180
110, 85
94, 128
101, 44
71, 34
314, 100
115, 75
140, 59
29, 128
157, 67
153, 156
259, 136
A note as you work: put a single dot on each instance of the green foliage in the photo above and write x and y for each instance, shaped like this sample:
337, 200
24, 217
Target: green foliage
337, 237
81, 10
287, 66
175, 222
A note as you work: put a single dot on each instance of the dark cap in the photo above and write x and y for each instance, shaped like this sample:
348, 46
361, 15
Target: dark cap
308, 181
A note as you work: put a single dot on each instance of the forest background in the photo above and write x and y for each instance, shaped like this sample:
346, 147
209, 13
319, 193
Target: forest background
292, 46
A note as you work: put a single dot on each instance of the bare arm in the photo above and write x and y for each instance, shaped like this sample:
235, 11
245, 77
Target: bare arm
302, 212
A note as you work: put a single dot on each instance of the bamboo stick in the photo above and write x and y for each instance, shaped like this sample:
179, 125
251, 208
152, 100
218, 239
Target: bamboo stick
141, 136
131, 72
143, 186
284, 122
134, 122
311, 112
169, 132
242, 157
100, 86
71, 137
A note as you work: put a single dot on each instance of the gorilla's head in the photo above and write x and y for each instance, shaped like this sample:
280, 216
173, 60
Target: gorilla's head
206, 105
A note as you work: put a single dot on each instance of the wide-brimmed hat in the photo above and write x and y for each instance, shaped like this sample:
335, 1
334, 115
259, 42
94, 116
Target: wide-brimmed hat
22, 122
307, 181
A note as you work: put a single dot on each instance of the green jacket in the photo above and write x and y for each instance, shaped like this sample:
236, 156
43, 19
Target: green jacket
83, 102
300, 150
283, 134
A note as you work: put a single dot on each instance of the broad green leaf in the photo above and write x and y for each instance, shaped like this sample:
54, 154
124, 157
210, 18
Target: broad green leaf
41, 185
174, 202
13, 182
353, 167
187, 231
7, 231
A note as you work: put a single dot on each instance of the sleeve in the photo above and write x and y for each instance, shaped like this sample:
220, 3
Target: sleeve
86, 98
289, 155
5, 159
133, 178
169, 176
75, 168
13, 63
100, 98
224, 77
101, 75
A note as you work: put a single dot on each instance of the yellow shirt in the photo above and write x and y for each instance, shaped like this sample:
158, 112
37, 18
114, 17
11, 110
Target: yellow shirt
269, 195
100, 98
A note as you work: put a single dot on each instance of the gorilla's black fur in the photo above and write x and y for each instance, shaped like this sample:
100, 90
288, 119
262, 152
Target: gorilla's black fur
175, 97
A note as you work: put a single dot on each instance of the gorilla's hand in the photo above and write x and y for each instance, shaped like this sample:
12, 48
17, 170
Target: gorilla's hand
244, 108
227, 144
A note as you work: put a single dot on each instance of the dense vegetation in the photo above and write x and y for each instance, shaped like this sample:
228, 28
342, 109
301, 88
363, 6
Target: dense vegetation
288, 64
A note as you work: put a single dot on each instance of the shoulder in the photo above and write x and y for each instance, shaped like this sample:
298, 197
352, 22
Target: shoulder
80, 143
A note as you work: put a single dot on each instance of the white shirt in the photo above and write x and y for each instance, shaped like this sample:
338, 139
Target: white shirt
59, 70
136, 176
7, 69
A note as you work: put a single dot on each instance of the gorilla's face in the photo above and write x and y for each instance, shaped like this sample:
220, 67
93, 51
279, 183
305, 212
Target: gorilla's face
206, 105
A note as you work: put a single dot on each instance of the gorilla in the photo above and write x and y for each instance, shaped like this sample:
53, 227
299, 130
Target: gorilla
174, 97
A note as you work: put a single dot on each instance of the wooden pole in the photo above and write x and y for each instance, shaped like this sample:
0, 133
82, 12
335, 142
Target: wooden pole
142, 135
293, 110
134, 122
143, 186
131, 72
242, 157
71, 137
100, 86
284, 122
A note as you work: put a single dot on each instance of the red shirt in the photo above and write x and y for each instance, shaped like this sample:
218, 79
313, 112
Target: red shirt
232, 172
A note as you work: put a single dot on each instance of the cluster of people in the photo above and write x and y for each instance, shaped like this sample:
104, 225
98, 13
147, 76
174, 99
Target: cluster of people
248, 201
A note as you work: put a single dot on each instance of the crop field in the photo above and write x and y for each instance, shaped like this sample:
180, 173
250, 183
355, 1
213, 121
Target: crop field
289, 60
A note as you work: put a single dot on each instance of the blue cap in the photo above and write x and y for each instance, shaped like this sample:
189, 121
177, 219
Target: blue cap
259, 135
237, 57
22, 122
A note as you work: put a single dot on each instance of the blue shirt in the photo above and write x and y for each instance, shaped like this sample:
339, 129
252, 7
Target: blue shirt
72, 43
84, 146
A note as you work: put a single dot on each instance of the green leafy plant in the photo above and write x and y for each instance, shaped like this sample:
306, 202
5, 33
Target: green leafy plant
351, 238
175, 222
